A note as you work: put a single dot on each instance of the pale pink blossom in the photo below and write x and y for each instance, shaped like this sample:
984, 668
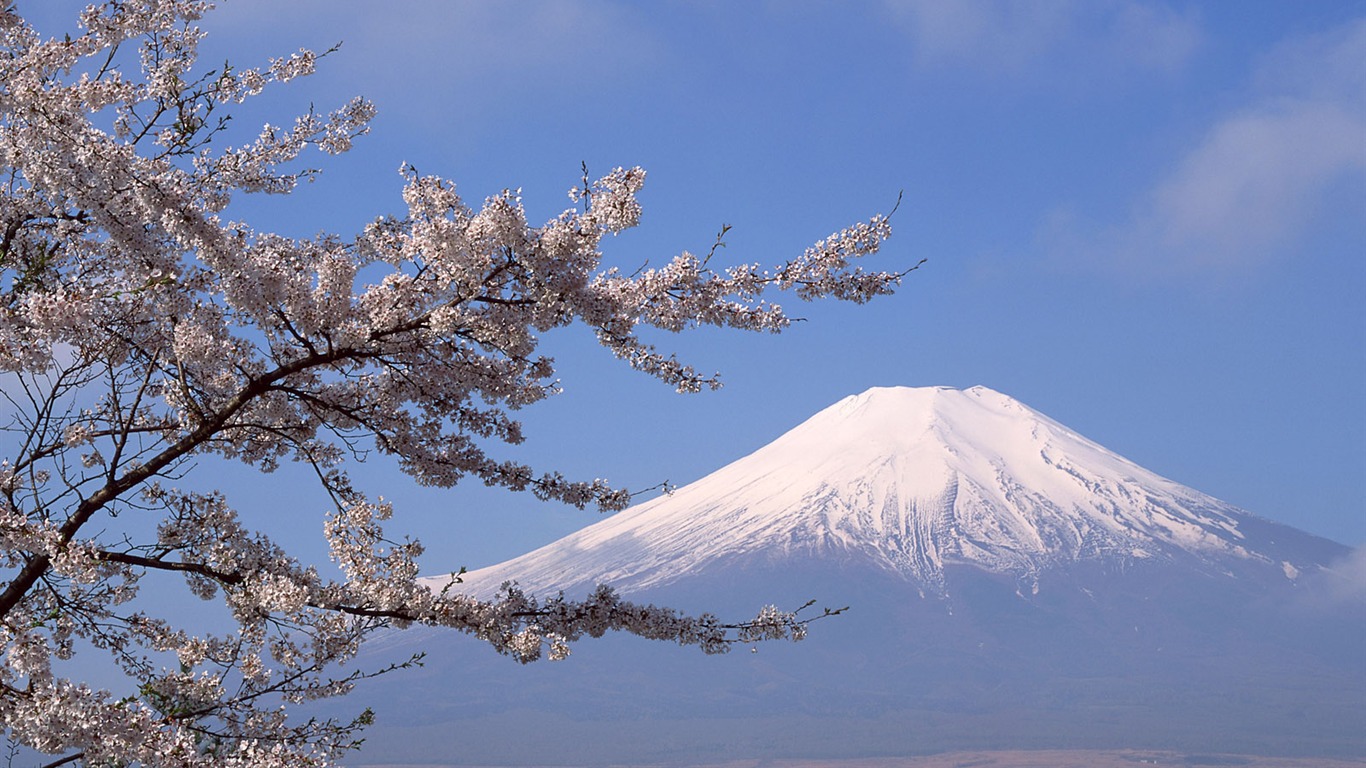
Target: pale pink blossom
141, 334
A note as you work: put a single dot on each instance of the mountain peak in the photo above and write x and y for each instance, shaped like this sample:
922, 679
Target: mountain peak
909, 480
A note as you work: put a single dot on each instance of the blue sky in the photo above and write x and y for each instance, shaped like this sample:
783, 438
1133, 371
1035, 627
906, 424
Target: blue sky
1146, 220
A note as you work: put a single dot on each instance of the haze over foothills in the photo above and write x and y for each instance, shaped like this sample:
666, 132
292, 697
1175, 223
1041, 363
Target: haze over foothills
1144, 219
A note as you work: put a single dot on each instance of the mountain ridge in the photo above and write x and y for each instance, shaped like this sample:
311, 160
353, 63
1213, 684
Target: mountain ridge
1229, 633
914, 480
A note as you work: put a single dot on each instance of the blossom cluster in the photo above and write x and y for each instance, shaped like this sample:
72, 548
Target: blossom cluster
141, 332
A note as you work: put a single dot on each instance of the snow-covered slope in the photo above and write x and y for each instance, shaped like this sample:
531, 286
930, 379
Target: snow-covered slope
909, 480
1009, 582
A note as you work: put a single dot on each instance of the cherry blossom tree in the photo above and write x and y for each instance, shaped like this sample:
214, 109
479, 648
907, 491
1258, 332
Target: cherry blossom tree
142, 329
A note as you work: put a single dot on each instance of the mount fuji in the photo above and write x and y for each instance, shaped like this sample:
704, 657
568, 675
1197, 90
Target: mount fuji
912, 481
1012, 585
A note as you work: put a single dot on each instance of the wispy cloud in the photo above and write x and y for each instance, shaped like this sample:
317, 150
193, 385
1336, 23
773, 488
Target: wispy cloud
1248, 188
462, 54
1254, 181
1341, 584
999, 37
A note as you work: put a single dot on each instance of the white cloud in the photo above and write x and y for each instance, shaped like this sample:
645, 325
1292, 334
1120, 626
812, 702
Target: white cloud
996, 36
1255, 180
484, 54
1343, 581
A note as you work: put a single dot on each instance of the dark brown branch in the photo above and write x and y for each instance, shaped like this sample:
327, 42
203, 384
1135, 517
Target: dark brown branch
38, 564
198, 569
66, 760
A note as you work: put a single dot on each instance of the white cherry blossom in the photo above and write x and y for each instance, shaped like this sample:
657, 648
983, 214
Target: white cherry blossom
140, 330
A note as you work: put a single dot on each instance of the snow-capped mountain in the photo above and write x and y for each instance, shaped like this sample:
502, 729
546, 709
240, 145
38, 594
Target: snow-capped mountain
1012, 585
911, 480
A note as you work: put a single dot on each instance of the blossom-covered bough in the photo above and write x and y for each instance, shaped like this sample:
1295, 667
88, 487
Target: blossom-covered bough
140, 330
